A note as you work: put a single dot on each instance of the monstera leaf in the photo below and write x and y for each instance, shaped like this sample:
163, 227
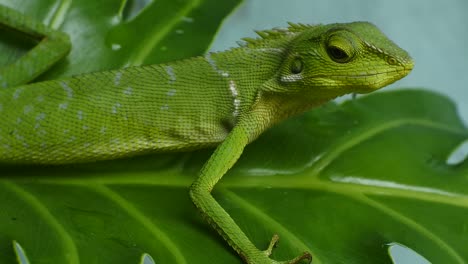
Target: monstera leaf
345, 182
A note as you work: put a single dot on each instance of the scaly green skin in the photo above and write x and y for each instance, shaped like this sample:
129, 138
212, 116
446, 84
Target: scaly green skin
226, 99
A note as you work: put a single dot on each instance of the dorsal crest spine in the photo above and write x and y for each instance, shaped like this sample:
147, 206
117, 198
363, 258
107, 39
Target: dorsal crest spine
275, 33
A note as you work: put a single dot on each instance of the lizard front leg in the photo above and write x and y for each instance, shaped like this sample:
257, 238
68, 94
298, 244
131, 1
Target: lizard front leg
53, 45
220, 162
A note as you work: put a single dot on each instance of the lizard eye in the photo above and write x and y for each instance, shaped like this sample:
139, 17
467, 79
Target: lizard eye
340, 49
337, 54
297, 66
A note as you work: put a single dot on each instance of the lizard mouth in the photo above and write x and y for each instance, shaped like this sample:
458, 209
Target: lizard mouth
362, 83
395, 73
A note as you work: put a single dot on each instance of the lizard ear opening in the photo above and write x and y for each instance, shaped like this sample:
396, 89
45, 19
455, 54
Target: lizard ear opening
297, 66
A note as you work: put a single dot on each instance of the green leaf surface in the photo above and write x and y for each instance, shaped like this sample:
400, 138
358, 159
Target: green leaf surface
345, 182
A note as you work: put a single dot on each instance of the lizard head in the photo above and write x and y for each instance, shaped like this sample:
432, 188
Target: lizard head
333, 60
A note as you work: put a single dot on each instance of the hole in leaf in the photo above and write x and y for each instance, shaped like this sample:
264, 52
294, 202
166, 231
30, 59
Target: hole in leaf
401, 254
146, 259
133, 8
459, 154
20, 253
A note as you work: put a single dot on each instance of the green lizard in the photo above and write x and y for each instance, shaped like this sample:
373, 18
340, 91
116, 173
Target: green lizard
226, 99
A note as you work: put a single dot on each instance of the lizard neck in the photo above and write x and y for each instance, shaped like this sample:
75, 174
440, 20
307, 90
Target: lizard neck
272, 108
242, 73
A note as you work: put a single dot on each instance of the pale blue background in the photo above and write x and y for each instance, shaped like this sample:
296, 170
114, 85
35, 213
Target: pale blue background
435, 33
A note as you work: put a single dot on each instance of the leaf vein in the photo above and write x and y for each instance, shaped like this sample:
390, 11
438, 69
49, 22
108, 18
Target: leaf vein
141, 218
410, 223
348, 142
39, 207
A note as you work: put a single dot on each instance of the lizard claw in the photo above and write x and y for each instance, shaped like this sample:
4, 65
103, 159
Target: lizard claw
305, 256
274, 242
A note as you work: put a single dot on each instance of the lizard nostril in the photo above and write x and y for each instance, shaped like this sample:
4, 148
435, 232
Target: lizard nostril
392, 61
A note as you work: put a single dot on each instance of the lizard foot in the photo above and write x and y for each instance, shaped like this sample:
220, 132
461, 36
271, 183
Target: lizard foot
274, 242
305, 256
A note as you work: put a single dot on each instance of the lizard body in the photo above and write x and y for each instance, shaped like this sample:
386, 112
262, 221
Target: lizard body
227, 98
135, 110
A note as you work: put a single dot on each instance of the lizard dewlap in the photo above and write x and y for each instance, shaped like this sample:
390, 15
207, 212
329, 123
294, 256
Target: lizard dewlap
227, 98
